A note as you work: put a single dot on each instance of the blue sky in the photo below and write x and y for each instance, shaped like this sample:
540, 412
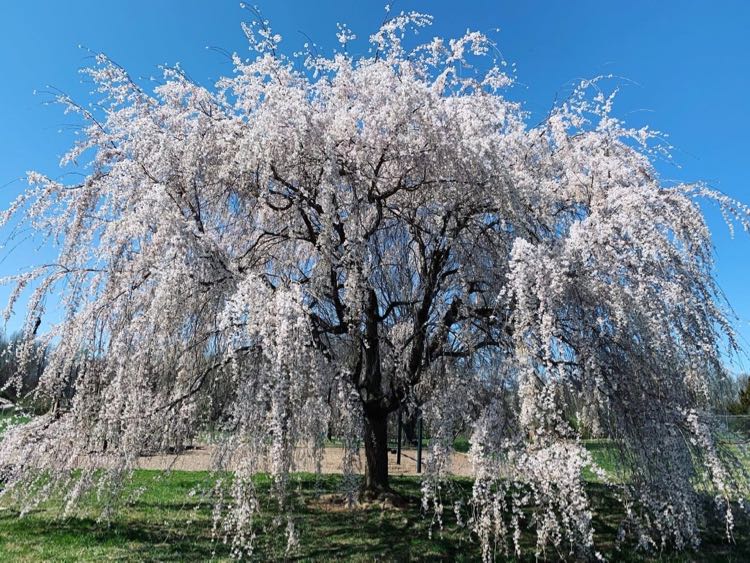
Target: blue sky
685, 68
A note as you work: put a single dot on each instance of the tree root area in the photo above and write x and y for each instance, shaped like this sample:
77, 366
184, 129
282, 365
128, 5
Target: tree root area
364, 500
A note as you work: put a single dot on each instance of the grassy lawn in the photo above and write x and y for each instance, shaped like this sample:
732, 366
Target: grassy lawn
166, 523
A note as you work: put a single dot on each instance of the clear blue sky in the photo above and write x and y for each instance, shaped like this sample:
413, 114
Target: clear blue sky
687, 66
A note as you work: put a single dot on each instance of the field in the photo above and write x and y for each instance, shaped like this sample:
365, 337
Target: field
166, 523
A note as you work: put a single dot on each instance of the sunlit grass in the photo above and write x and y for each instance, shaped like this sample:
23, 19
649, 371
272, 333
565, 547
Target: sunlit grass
168, 523
166, 518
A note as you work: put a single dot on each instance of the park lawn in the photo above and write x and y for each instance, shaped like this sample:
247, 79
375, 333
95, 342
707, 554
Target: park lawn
167, 523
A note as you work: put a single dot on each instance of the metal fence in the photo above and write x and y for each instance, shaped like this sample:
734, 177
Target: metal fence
407, 433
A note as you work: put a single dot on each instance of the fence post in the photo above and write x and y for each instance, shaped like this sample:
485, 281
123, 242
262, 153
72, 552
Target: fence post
398, 441
419, 444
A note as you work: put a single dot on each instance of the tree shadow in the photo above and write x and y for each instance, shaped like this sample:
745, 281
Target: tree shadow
179, 528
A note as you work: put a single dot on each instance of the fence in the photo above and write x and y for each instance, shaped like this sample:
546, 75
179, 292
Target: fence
407, 433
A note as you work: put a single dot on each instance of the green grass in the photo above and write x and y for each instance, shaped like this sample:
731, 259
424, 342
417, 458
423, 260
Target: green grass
9, 418
461, 444
166, 523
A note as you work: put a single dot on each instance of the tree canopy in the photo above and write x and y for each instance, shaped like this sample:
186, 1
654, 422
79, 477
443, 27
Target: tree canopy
330, 238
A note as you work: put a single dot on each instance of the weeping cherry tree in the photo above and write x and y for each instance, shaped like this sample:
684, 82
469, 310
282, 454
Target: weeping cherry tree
332, 238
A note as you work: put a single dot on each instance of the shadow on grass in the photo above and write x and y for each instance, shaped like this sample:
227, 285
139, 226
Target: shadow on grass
166, 524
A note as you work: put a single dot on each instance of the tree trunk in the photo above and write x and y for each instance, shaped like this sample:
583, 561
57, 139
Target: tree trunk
376, 451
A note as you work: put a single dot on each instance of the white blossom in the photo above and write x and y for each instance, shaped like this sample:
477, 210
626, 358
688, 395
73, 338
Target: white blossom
305, 249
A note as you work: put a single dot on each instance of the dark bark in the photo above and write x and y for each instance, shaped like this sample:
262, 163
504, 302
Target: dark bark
375, 409
376, 451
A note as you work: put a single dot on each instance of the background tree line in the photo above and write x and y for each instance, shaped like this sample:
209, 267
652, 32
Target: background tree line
10, 390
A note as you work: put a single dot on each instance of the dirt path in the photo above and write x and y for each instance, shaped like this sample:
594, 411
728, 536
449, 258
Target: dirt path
200, 459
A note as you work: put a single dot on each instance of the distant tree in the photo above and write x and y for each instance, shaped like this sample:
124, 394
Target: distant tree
381, 230
19, 379
740, 404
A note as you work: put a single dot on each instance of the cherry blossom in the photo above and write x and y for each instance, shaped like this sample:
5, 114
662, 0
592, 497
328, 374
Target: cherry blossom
317, 241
